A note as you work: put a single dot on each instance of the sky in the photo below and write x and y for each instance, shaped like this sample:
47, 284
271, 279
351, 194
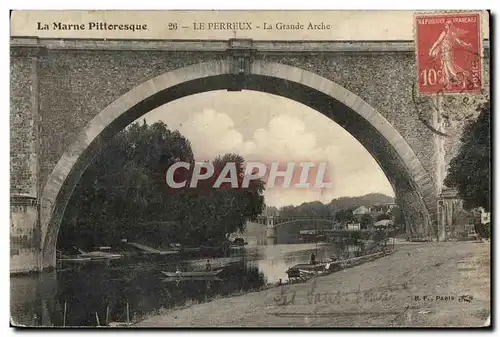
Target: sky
265, 127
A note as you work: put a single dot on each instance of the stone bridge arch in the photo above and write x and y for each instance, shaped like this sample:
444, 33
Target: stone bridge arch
412, 184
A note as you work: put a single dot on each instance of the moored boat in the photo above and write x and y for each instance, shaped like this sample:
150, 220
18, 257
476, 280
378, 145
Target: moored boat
70, 259
190, 249
192, 278
192, 273
307, 269
99, 255
238, 243
73, 259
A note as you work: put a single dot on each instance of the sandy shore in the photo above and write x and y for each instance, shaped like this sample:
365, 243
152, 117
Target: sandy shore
380, 293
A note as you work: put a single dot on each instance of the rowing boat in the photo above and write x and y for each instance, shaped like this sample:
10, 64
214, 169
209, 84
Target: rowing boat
74, 260
192, 278
191, 273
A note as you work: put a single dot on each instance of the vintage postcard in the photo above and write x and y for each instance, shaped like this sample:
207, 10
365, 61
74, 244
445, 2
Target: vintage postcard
250, 169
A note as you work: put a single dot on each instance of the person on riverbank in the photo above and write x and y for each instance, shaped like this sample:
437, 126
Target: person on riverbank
208, 266
313, 258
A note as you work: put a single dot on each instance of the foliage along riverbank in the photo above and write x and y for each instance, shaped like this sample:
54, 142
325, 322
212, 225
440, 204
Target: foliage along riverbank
124, 194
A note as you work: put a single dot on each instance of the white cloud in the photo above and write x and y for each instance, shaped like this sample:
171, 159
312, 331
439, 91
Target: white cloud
211, 133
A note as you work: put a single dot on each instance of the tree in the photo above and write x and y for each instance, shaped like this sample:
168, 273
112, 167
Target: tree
288, 210
124, 194
470, 170
122, 191
344, 215
383, 216
223, 210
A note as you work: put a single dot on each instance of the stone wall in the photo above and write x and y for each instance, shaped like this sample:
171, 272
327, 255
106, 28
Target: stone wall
75, 86
23, 122
24, 236
24, 166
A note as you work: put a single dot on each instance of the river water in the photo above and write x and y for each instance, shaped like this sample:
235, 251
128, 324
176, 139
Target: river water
100, 292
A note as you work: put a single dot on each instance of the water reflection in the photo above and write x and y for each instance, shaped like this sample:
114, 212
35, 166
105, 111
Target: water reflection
102, 291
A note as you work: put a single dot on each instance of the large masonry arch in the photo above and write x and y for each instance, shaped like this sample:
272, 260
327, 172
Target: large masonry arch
412, 184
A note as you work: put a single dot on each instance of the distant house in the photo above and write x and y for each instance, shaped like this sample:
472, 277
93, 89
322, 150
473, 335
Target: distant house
464, 223
485, 216
271, 211
382, 224
338, 226
376, 210
454, 222
353, 227
379, 209
360, 211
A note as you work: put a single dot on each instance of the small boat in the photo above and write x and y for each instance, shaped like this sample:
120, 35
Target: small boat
101, 256
204, 247
98, 255
74, 259
119, 324
193, 278
190, 249
63, 258
192, 273
333, 265
238, 242
169, 252
175, 246
236, 247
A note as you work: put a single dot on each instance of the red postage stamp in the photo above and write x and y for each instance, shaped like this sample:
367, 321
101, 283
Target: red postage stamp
448, 48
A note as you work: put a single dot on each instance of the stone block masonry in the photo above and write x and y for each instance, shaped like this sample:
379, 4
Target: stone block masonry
59, 87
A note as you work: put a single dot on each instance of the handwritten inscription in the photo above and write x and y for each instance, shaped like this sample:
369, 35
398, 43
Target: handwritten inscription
314, 297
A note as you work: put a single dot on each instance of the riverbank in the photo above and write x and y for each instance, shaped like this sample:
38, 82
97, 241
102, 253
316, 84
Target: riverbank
420, 285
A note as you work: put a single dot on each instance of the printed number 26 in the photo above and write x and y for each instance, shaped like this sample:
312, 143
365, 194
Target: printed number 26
172, 26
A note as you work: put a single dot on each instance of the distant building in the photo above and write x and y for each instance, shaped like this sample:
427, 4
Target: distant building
271, 211
464, 223
454, 222
338, 226
485, 217
308, 232
353, 226
360, 211
310, 236
382, 224
377, 210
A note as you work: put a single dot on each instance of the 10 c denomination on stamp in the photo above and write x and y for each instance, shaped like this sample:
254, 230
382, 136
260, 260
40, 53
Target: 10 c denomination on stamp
449, 52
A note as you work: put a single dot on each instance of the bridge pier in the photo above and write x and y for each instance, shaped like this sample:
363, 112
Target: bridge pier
25, 229
25, 238
271, 229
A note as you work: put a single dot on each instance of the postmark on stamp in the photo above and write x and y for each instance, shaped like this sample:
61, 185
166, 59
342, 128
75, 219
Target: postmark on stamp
448, 49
